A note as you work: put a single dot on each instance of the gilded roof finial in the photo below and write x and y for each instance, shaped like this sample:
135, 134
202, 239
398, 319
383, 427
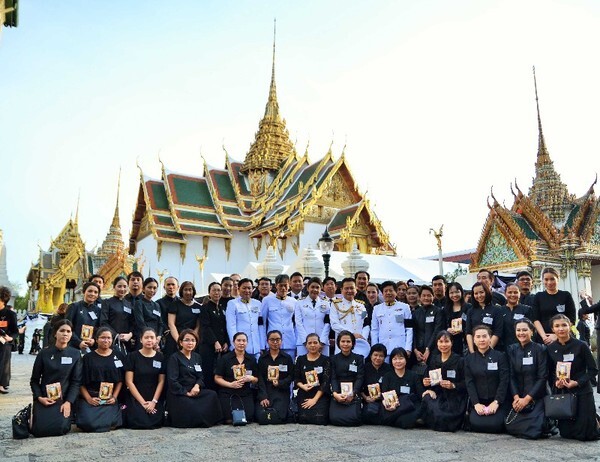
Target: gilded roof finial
272, 109
115, 221
542, 155
77, 208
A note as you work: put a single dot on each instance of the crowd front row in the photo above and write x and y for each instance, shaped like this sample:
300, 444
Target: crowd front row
486, 391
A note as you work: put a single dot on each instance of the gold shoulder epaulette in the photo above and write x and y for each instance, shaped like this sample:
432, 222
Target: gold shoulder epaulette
359, 301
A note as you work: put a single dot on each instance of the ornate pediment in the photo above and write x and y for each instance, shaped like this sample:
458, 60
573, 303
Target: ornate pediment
337, 193
496, 250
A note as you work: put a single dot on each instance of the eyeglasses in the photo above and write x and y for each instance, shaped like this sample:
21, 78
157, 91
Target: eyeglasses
274, 340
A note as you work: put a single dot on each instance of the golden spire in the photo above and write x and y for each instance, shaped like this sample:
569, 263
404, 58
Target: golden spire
76, 222
115, 221
271, 145
543, 157
113, 242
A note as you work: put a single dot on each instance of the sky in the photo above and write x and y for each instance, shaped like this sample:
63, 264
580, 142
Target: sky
434, 101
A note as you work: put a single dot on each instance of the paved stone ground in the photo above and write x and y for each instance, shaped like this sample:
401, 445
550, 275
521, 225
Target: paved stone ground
269, 443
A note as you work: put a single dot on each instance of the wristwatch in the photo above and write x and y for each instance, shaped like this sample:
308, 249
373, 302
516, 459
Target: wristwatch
155, 401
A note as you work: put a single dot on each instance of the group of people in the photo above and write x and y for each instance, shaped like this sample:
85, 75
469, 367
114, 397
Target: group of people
316, 353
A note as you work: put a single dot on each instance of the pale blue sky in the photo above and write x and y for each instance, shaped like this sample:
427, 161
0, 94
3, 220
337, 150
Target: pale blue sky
434, 100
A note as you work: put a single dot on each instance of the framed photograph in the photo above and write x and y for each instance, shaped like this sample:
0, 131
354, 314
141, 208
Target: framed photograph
374, 390
312, 378
53, 391
106, 390
273, 373
87, 332
239, 371
346, 388
456, 324
563, 370
436, 376
390, 399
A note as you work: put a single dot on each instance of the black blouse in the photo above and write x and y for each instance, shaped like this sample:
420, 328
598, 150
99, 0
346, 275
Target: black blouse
323, 368
583, 364
489, 316
148, 314
453, 370
459, 341
81, 313
8, 322
409, 384
53, 365
528, 370
373, 375
183, 373
224, 368
509, 318
213, 323
349, 368
186, 317
146, 372
117, 314
96, 369
546, 305
427, 322
165, 303
487, 376
286, 374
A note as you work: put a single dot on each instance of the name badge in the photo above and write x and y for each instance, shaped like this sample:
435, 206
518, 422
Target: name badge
560, 308
156, 364
569, 358
399, 318
283, 368
93, 315
156, 312
488, 320
518, 316
248, 372
118, 363
196, 310
66, 360
528, 361
353, 368
464, 317
197, 367
319, 369
492, 366
429, 319
405, 390
380, 380
451, 374
127, 309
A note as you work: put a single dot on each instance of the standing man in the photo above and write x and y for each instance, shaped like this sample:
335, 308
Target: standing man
243, 314
348, 313
99, 281
438, 283
235, 278
278, 313
524, 281
312, 316
171, 287
296, 285
392, 321
329, 289
263, 290
487, 277
362, 279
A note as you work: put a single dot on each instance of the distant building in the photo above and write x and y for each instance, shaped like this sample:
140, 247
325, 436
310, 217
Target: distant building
8, 13
3, 270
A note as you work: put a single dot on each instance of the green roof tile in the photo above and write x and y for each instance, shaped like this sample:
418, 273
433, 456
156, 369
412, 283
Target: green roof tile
158, 195
223, 185
191, 191
198, 216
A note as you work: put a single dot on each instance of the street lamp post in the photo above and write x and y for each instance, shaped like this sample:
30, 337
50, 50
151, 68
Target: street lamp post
326, 247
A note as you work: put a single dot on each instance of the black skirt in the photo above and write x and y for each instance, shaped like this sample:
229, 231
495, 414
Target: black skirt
405, 415
345, 415
49, 421
316, 415
443, 414
527, 425
200, 411
488, 423
98, 419
137, 418
584, 427
372, 413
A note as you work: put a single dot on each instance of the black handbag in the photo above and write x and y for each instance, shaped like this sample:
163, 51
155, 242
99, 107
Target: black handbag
238, 416
20, 423
268, 416
561, 406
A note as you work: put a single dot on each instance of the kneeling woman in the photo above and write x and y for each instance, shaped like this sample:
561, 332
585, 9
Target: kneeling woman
445, 401
528, 376
313, 374
102, 379
487, 376
375, 369
55, 381
190, 404
347, 376
404, 411
145, 378
235, 372
584, 425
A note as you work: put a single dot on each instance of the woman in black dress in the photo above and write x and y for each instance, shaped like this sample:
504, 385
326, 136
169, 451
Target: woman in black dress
183, 313
512, 312
213, 325
455, 315
235, 373
483, 313
102, 379
148, 313
406, 410
313, 396
117, 313
375, 369
189, 404
275, 377
445, 402
428, 320
8, 331
55, 381
528, 375
487, 376
145, 379
549, 303
566, 349
347, 377
85, 313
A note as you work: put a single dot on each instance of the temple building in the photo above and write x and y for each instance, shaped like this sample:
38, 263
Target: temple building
59, 274
548, 226
217, 223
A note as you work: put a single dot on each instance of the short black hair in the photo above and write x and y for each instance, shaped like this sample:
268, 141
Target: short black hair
5, 294
212, 284
117, 280
87, 285
94, 276
341, 334
296, 273
362, 272
389, 283
264, 278
148, 281
439, 277
378, 347
314, 280
186, 284
345, 280
245, 280
329, 278
523, 273
398, 351
135, 274
282, 278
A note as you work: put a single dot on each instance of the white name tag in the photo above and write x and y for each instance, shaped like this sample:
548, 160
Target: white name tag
353, 368
380, 380
319, 369
528, 361
127, 309
518, 316
429, 319
66, 360
451, 374
196, 310
569, 358
198, 367
492, 366
93, 315
248, 372
488, 320
405, 390
283, 368
156, 364
118, 363
560, 308
156, 312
